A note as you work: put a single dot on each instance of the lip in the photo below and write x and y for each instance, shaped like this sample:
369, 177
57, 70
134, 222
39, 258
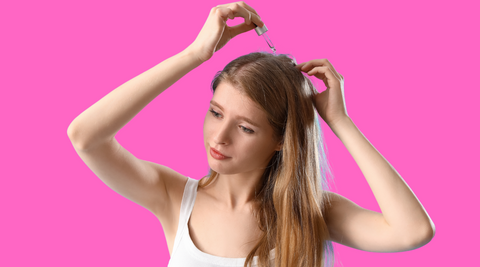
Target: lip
216, 154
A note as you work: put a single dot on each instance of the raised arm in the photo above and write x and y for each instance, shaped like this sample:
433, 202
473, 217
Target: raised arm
101, 122
105, 118
92, 133
403, 224
155, 187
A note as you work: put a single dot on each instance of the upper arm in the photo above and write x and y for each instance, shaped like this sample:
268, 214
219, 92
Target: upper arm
356, 227
148, 184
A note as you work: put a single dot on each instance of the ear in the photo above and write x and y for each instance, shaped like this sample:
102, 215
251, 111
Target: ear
279, 147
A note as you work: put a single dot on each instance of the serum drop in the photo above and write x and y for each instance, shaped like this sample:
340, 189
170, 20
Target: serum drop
263, 31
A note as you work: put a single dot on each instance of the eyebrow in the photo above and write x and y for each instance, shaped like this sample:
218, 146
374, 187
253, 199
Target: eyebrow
238, 117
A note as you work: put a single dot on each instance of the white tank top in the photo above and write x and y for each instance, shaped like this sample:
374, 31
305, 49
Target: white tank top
185, 253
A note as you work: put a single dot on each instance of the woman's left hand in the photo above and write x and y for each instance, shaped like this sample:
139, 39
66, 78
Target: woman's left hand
330, 103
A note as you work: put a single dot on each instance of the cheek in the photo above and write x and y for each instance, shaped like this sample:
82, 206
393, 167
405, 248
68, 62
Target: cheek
255, 148
207, 127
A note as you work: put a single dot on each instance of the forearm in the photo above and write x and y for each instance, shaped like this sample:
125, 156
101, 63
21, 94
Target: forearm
105, 118
400, 207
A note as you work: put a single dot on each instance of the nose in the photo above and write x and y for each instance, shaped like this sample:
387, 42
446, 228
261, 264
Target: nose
222, 134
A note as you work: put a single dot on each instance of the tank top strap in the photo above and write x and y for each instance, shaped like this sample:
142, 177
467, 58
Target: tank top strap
188, 200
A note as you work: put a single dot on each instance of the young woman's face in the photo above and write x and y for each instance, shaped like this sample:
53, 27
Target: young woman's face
239, 130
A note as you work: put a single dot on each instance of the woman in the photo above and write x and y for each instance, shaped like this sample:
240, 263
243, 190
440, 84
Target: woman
262, 202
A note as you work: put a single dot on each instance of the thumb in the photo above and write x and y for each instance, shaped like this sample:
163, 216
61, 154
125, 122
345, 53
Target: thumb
241, 28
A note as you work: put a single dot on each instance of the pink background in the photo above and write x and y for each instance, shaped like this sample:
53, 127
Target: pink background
410, 69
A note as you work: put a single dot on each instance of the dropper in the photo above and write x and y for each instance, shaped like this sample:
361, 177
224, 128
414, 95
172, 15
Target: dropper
263, 31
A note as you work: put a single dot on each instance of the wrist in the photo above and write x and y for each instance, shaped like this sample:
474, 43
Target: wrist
191, 53
340, 124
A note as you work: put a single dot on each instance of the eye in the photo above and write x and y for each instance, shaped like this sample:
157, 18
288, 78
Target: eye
246, 130
215, 114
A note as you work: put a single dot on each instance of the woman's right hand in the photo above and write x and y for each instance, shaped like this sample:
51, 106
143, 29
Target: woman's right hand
216, 33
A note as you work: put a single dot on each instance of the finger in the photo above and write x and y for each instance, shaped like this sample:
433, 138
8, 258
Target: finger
325, 74
325, 62
240, 11
241, 28
249, 20
225, 13
249, 8
243, 4
237, 10
258, 20
307, 66
299, 66
248, 15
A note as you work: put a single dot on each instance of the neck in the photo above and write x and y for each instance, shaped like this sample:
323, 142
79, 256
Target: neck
236, 191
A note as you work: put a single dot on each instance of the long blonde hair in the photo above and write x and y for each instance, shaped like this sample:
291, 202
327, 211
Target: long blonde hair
291, 199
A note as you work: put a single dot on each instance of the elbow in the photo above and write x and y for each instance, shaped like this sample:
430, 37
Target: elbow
73, 135
430, 231
423, 236
83, 142
70, 132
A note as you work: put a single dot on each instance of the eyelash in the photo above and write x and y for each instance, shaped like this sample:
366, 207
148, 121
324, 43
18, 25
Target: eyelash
215, 114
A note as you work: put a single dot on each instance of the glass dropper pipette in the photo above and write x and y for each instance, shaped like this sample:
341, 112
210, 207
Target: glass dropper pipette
263, 31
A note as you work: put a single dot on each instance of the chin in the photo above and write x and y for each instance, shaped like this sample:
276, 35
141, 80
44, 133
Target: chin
217, 168
220, 167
